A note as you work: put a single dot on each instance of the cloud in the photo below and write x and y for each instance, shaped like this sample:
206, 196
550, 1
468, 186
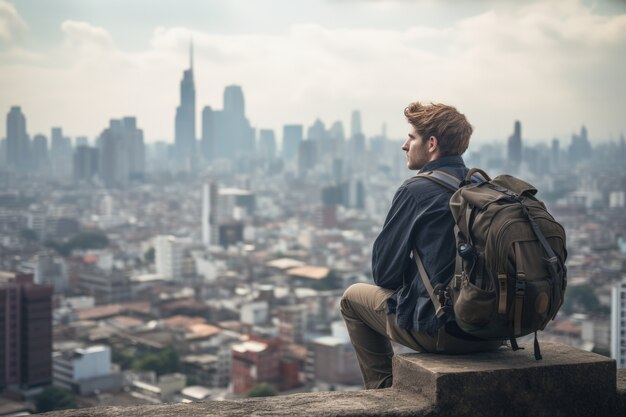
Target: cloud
555, 65
83, 34
11, 24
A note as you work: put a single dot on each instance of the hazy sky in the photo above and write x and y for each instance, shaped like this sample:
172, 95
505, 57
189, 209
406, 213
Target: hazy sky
554, 65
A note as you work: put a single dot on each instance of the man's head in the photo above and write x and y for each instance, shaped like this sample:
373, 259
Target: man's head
436, 130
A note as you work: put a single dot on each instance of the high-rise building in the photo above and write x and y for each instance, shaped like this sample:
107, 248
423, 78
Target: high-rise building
85, 163
60, 154
209, 133
135, 148
307, 157
555, 155
121, 152
81, 141
618, 323
292, 136
226, 133
26, 329
235, 135
515, 148
40, 153
185, 124
17, 152
267, 144
355, 124
580, 147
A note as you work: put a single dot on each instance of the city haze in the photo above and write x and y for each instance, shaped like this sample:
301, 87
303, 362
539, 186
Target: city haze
554, 65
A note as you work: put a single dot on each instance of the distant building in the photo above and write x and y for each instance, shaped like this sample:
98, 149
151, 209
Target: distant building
39, 154
209, 133
26, 327
17, 145
85, 371
292, 136
618, 323
60, 154
292, 323
355, 124
254, 314
85, 163
185, 123
580, 147
121, 152
255, 362
209, 213
515, 148
169, 257
107, 287
267, 144
334, 361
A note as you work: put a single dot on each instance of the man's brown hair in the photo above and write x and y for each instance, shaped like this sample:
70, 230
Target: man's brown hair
450, 127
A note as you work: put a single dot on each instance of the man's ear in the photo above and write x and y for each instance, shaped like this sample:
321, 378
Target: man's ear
433, 144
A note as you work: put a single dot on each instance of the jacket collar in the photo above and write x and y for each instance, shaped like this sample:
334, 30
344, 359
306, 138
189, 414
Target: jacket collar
441, 162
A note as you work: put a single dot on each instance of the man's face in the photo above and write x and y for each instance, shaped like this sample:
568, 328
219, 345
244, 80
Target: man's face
416, 149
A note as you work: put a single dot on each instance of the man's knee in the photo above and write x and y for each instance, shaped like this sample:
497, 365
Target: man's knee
344, 304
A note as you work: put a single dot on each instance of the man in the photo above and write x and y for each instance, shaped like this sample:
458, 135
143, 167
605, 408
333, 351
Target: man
398, 307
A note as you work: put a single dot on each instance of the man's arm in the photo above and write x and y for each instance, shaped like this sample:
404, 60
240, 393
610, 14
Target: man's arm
393, 245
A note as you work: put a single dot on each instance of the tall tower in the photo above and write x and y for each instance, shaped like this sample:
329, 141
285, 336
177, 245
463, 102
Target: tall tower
515, 147
17, 139
185, 134
355, 124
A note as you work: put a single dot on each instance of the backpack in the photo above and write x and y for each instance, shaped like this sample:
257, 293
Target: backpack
510, 274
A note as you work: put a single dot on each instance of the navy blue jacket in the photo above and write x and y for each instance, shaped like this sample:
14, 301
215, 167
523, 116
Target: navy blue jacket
419, 218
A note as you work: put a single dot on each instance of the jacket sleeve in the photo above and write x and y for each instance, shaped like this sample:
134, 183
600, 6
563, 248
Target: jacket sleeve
392, 247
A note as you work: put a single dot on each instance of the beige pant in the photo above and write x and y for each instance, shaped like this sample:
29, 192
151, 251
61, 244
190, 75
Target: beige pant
364, 308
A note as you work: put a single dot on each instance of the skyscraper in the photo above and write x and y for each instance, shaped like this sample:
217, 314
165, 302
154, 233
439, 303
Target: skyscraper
515, 148
26, 329
267, 144
85, 163
292, 136
121, 152
580, 148
185, 134
17, 140
355, 124
235, 135
60, 153
40, 153
209, 133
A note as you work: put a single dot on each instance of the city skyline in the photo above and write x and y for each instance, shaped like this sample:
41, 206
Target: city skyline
544, 63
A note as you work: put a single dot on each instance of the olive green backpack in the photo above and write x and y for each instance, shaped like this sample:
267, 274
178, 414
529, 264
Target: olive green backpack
510, 274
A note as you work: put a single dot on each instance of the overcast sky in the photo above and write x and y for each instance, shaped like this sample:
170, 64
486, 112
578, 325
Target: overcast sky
554, 65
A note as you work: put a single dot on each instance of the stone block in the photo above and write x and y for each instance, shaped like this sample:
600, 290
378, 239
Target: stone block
567, 382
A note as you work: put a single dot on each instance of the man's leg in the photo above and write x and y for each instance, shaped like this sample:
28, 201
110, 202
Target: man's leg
364, 308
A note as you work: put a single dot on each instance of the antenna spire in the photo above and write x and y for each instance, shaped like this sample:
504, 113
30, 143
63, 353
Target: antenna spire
191, 54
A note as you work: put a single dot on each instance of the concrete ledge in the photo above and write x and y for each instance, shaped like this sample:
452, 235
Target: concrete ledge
567, 382
387, 402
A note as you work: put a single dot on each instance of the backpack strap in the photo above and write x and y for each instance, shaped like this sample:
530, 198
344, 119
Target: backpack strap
451, 183
439, 311
442, 178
